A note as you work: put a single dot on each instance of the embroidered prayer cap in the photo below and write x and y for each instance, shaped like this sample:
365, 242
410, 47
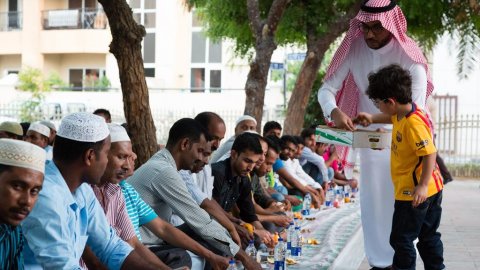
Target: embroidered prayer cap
40, 128
18, 153
83, 127
49, 124
118, 133
12, 127
243, 118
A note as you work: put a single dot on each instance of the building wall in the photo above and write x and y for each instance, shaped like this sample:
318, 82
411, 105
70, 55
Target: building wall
9, 62
61, 63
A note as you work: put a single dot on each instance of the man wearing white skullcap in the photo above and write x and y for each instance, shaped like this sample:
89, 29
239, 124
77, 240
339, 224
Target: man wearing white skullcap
22, 167
243, 123
38, 134
377, 37
11, 130
67, 215
116, 204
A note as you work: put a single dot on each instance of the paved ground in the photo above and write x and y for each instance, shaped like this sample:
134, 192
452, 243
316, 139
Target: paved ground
460, 226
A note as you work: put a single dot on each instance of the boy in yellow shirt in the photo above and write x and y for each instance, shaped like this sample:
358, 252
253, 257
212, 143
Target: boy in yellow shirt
416, 179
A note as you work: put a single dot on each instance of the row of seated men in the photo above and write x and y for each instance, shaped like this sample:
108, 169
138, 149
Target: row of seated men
184, 208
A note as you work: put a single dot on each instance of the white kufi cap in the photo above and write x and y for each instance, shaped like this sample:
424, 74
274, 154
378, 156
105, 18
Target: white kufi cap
118, 133
40, 128
83, 127
49, 124
243, 118
23, 154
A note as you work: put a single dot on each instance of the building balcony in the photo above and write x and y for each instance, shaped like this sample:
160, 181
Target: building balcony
86, 18
11, 21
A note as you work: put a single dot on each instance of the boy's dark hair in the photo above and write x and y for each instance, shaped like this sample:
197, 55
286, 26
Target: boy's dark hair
104, 112
69, 150
271, 125
286, 139
307, 132
390, 82
186, 128
247, 141
272, 144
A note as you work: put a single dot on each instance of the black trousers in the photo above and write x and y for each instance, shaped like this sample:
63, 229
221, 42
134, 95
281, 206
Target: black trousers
422, 222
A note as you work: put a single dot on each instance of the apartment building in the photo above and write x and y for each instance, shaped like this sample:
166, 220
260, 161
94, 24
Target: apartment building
72, 37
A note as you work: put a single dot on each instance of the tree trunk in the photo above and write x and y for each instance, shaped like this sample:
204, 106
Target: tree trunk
126, 46
317, 45
264, 33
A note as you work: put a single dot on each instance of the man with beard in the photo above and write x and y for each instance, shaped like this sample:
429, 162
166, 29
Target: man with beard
376, 38
162, 187
22, 166
67, 215
231, 186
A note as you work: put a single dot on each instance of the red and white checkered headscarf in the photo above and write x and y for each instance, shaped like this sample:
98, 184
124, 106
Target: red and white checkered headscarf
392, 19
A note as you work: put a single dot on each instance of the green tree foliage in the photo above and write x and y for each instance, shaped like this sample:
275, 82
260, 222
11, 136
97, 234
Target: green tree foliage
32, 80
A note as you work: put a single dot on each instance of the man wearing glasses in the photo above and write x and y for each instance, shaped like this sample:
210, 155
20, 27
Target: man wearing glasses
376, 38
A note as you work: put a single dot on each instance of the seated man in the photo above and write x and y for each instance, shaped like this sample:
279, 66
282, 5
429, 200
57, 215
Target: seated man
313, 164
22, 166
11, 130
38, 134
161, 186
266, 208
243, 123
67, 215
231, 186
120, 166
110, 197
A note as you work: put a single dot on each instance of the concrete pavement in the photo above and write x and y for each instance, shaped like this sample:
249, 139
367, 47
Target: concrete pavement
460, 226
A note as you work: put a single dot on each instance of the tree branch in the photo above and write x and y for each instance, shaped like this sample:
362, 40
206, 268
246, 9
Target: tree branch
276, 13
255, 24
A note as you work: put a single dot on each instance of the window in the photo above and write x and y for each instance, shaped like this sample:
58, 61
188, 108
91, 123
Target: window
85, 78
197, 79
215, 52
198, 47
149, 72
145, 13
215, 78
149, 48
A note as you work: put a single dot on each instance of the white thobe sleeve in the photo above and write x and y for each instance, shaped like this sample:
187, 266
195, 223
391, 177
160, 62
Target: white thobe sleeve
419, 84
329, 89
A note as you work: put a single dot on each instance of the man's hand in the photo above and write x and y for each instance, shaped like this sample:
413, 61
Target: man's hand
293, 200
217, 262
364, 119
248, 263
243, 233
235, 236
341, 120
276, 207
420, 194
265, 236
281, 220
288, 205
316, 201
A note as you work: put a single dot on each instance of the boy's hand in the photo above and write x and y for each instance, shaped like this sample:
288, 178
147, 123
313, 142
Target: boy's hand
364, 119
420, 194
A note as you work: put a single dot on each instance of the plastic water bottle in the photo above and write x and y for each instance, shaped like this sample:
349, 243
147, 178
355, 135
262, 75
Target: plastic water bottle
295, 222
262, 251
346, 189
340, 196
232, 265
279, 255
290, 231
299, 240
330, 197
307, 202
251, 250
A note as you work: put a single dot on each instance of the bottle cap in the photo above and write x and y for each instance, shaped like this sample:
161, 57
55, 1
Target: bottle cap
251, 242
232, 261
280, 239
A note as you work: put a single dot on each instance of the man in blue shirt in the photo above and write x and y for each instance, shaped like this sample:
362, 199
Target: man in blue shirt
67, 215
22, 166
